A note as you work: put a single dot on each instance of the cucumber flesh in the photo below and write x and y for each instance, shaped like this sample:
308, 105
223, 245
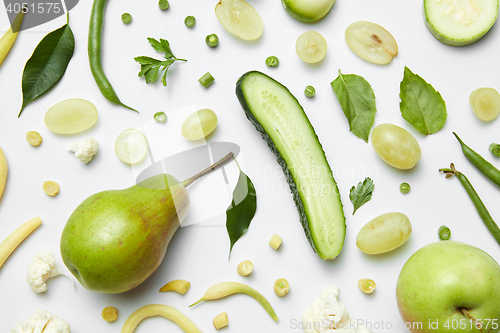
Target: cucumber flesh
281, 120
460, 22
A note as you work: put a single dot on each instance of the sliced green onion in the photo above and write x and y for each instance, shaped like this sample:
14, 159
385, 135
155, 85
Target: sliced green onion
206, 80
495, 149
272, 61
310, 91
190, 21
126, 18
160, 117
212, 40
444, 232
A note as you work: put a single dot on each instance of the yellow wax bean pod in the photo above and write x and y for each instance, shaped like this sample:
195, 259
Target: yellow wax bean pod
165, 311
14, 239
8, 40
225, 289
4, 170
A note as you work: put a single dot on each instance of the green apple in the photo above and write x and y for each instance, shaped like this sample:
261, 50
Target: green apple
307, 10
449, 287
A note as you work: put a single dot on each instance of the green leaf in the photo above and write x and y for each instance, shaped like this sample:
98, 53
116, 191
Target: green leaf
150, 67
47, 64
357, 100
242, 209
421, 105
362, 193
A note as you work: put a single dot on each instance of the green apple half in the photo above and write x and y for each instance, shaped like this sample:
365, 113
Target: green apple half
449, 287
307, 10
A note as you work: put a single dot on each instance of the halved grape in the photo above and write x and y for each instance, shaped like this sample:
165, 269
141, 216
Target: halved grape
371, 42
311, 47
131, 146
239, 18
485, 103
199, 124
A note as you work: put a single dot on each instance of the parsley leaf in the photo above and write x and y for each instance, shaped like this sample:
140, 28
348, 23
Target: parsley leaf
150, 67
362, 193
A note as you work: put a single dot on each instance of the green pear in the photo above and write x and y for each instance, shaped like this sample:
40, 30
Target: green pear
116, 239
450, 286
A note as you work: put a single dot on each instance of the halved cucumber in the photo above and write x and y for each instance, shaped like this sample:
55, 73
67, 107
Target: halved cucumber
281, 120
460, 22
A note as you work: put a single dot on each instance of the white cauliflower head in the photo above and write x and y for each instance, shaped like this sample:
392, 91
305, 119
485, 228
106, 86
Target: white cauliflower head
328, 315
42, 268
41, 322
84, 150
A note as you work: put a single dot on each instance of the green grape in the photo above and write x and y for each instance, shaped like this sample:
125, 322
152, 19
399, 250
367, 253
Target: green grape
404, 188
199, 124
444, 232
160, 117
396, 146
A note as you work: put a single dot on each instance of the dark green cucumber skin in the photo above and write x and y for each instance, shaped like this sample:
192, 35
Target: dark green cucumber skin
304, 220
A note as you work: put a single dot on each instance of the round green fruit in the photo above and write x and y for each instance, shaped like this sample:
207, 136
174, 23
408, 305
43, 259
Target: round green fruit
307, 10
449, 287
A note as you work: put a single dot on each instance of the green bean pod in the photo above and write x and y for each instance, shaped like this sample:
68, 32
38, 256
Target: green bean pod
485, 167
480, 207
95, 54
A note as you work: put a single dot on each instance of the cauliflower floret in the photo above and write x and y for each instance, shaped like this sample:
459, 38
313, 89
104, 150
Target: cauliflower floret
84, 150
327, 315
41, 322
23, 327
42, 268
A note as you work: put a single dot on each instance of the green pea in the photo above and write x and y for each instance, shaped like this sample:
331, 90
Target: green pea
163, 4
404, 188
189, 21
212, 40
160, 117
310, 91
444, 232
126, 18
272, 61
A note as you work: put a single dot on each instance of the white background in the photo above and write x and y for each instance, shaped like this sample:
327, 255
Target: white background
200, 254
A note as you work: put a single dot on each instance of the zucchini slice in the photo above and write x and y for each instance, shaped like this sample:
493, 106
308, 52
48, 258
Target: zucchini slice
460, 22
281, 121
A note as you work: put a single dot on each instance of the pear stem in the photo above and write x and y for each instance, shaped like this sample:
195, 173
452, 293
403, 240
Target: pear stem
211, 168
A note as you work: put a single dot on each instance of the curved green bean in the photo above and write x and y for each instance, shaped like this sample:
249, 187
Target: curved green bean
95, 54
480, 207
485, 167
